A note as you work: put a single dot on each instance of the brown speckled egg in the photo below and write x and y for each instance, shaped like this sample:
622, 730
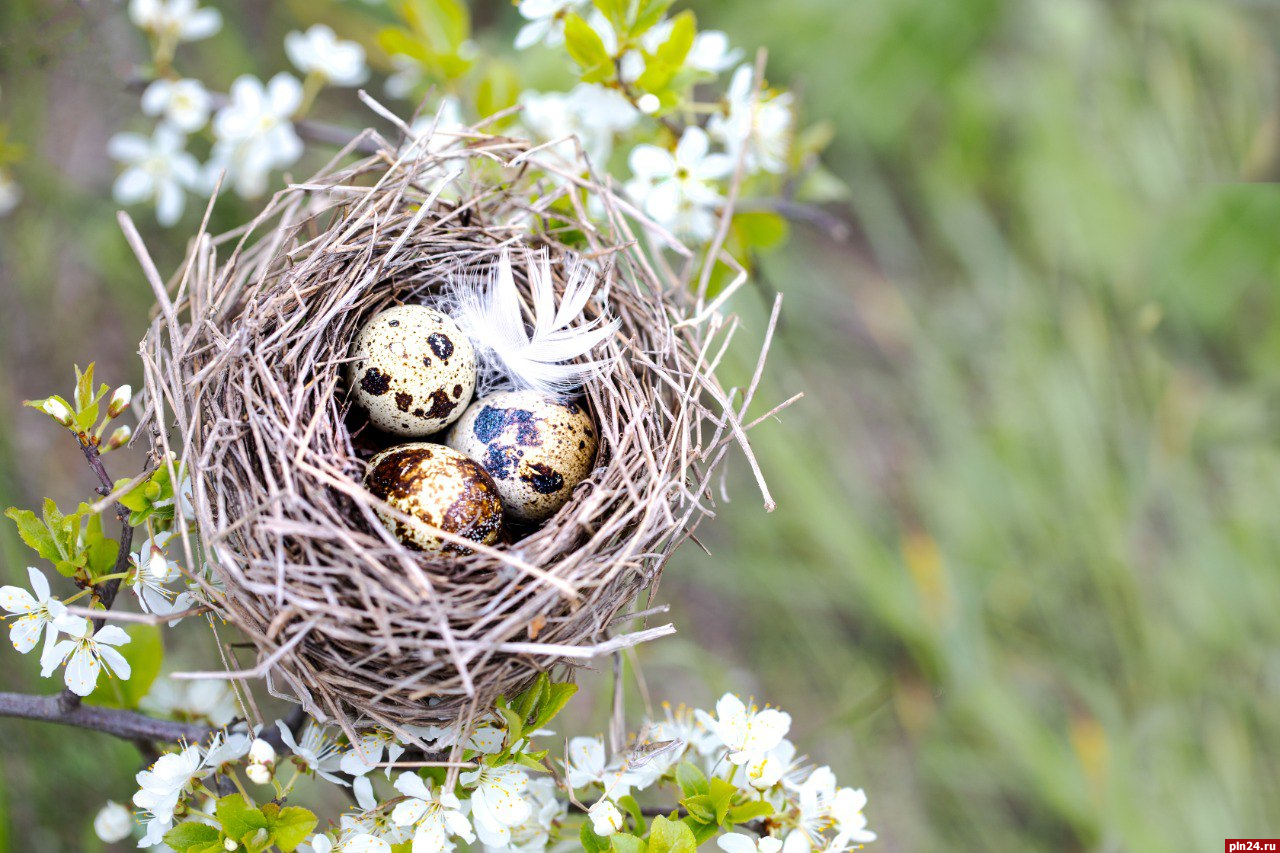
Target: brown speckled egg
536, 448
439, 486
413, 370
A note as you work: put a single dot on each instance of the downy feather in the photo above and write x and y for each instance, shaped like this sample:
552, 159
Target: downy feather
545, 358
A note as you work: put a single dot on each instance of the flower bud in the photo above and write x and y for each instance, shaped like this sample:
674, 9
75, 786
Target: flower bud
259, 774
649, 104
119, 438
119, 401
230, 844
56, 410
262, 752
162, 571
113, 822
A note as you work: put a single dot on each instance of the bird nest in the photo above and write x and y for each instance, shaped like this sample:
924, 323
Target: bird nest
245, 382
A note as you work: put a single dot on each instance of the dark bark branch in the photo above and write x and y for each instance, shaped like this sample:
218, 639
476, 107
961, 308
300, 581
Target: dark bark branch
128, 725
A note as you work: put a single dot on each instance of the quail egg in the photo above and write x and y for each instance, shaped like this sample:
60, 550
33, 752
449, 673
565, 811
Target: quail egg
536, 448
412, 370
437, 486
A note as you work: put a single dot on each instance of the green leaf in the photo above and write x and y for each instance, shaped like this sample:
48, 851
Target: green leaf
691, 780
515, 725
671, 836
238, 817
749, 811
701, 831
622, 842
615, 11
558, 695
498, 89
145, 654
591, 842
721, 796
84, 387
633, 808
648, 14
100, 550
185, 836
587, 49
760, 231
34, 533
702, 807
664, 63
289, 826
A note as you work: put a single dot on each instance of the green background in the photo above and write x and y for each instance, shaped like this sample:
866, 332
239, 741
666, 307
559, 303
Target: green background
1022, 581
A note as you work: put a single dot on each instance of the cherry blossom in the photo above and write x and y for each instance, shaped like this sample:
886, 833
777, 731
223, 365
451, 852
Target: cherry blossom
320, 52
185, 104
679, 189
36, 612
85, 652
157, 169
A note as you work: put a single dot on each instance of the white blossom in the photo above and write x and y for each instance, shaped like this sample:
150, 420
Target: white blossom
317, 750
737, 842
605, 818
764, 128
163, 786
319, 51
185, 104
534, 834
208, 701
821, 806
746, 731
406, 78
679, 189
365, 756
769, 768
545, 21
594, 114
851, 823
360, 842
436, 815
710, 52
585, 764
153, 572
227, 748
498, 802
113, 822
10, 193
36, 612
85, 653
157, 169
254, 132
175, 20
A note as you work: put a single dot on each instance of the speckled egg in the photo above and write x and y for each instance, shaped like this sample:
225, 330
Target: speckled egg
438, 485
536, 448
413, 370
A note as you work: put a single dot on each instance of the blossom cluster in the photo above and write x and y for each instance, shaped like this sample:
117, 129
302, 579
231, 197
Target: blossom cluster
522, 807
636, 107
251, 131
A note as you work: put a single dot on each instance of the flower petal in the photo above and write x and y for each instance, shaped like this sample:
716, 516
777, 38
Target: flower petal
82, 672
15, 599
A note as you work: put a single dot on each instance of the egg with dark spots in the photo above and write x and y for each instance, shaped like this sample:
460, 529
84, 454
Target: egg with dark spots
412, 370
437, 487
536, 448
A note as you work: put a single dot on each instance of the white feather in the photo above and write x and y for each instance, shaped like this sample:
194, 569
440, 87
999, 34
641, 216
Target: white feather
550, 357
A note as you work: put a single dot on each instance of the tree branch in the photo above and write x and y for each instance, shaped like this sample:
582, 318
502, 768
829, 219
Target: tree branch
122, 724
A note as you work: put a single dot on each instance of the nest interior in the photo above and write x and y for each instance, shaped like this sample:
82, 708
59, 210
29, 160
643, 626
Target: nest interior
245, 380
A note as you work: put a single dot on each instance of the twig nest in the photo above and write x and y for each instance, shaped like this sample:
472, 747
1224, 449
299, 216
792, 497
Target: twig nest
250, 374
536, 448
439, 489
412, 370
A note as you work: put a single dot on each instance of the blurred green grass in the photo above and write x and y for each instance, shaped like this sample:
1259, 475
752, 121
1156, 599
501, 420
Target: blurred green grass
1021, 583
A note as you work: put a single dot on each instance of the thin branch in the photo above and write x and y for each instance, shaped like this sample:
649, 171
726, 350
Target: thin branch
128, 725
